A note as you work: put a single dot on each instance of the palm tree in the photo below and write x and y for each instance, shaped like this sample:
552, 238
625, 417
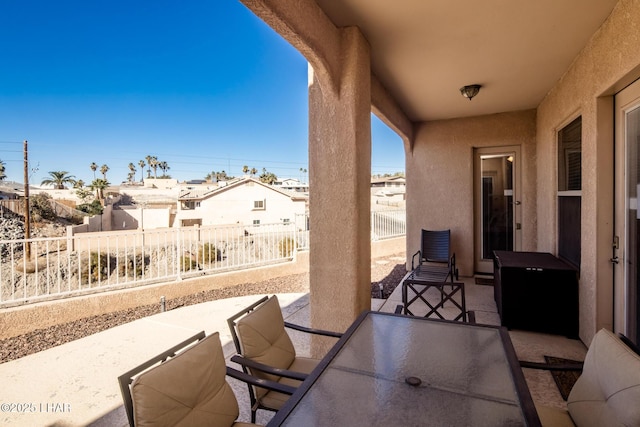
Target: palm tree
2, 171
58, 179
268, 177
254, 171
99, 185
164, 166
132, 172
103, 170
154, 165
94, 168
142, 164
221, 176
245, 169
149, 158
78, 184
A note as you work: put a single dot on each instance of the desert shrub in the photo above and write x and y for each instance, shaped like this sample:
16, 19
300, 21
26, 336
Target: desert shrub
133, 266
76, 219
40, 207
286, 247
208, 253
97, 267
187, 263
93, 208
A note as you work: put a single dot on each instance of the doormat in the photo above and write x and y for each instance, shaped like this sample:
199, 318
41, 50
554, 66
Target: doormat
487, 281
564, 379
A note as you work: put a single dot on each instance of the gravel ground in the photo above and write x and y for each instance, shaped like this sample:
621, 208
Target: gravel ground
387, 271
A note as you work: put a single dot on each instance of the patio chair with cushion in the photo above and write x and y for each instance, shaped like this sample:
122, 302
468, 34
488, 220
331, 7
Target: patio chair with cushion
186, 385
435, 256
607, 392
266, 351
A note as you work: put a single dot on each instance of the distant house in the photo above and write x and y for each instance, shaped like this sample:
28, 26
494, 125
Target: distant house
388, 191
242, 200
392, 181
292, 184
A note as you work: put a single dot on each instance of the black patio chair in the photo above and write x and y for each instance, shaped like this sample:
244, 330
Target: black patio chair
435, 256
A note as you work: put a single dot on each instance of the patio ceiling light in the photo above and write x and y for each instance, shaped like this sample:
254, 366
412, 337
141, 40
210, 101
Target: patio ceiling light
470, 91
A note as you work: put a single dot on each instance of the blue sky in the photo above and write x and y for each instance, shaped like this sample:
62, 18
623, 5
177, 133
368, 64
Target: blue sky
203, 85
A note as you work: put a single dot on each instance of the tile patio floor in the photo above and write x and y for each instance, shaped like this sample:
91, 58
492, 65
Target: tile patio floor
82, 375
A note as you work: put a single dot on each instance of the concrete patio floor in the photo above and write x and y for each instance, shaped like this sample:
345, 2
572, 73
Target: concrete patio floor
75, 384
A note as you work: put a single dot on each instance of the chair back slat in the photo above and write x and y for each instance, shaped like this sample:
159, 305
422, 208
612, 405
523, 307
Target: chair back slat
436, 245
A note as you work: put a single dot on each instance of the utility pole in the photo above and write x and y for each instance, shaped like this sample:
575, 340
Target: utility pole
27, 226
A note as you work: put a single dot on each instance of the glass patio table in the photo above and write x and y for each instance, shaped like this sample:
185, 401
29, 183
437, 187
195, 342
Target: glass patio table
391, 369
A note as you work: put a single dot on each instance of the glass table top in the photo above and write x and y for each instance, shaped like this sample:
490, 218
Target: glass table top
399, 370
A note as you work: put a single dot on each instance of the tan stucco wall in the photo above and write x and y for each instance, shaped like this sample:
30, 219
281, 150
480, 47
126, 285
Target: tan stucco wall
339, 193
440, 178
609, 62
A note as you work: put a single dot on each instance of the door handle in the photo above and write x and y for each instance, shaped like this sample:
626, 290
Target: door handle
614, 260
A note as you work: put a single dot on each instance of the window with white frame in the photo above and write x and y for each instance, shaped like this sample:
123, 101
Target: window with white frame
570, 191
259, 205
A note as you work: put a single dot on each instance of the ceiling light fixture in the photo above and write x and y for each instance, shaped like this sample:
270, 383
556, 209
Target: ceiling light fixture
470, 91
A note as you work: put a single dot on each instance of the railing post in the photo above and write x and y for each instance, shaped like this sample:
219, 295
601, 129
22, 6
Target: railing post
178, 235
70, 240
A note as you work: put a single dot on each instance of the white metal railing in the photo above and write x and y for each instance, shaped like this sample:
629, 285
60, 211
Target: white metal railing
93, 262
388, 224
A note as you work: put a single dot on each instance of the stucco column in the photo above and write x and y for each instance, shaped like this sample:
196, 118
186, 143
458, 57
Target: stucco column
339, 178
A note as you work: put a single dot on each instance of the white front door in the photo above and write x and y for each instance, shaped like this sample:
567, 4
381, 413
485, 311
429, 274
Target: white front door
497, 203
626, 256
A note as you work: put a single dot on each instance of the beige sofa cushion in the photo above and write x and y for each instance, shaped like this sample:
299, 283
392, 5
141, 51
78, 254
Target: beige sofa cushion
187, 390
608, 391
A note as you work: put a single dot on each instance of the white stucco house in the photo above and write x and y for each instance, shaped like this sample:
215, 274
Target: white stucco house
240, 201
292, 184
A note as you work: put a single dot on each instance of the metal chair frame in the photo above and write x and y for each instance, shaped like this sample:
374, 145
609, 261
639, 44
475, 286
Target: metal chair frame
125, 380
457, 289
435, 255
250, 364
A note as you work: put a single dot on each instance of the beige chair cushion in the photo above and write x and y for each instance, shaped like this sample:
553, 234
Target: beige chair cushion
275, 400
263, 338
554, 417
608, 391
187, 390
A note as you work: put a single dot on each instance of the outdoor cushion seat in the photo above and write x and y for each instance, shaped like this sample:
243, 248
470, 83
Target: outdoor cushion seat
185, 386
607, 393
190, 389
266, 351
274, 399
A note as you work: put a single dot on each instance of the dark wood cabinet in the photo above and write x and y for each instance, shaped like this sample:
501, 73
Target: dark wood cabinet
536, 291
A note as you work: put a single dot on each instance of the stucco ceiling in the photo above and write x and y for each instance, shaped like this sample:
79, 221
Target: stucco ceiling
423, 51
